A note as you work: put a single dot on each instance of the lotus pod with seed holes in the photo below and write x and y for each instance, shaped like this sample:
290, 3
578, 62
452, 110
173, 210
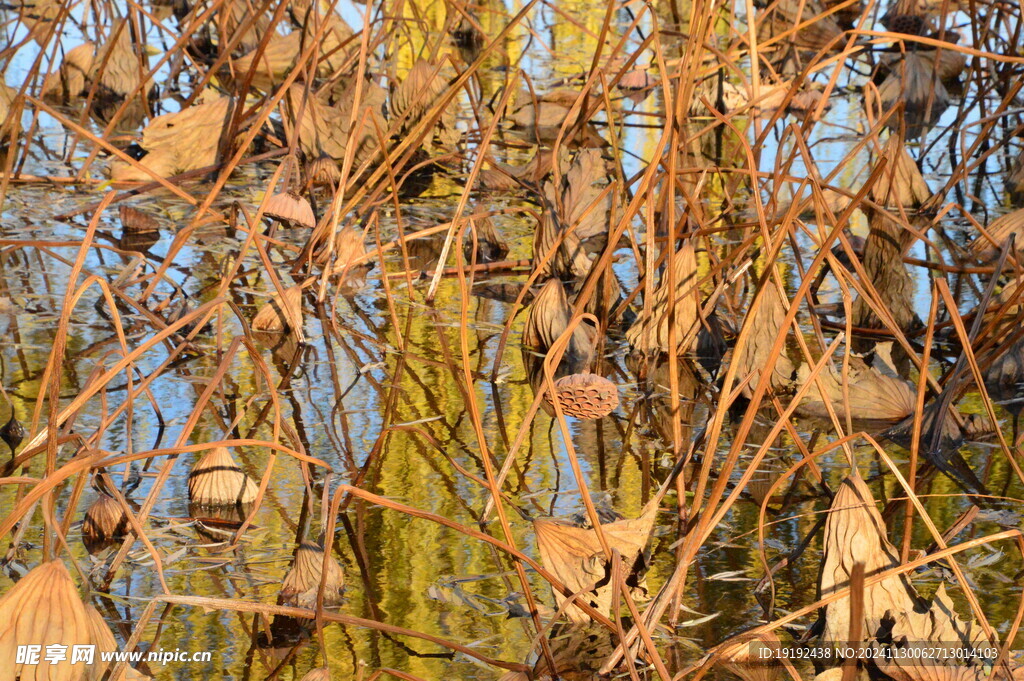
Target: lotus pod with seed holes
218, 481
585, 396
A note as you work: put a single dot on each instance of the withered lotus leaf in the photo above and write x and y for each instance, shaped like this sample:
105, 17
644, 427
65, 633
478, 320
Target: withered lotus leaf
417, 94
281, 314
548, 318
349, 250
216, 480
754, 658
901, 182
490, 246
291, 209
913, 83
178, 142
855, 533
678, 307
104, 519
1001, 229
575, 556
585, 395
872, 395
70, 81
765, 325
581, 202
135, 221
815, 31
318, 674
303, 581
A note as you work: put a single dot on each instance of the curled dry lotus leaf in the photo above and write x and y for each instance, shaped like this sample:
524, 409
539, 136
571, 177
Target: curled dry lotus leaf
349, 250
873, 396
419, 92
135, 221
901, 182
913, 83
290, 208
216, 480
43, 608
548, 318
71, 80
855, 533
765, 324
490, 246
318, 674
816, 31
582, 200
282, 313
326, 130
104, 519
118, 69
575, 556
754, 658
585, 396
282, 51
502, 177
178, 142
886, 244
1000, 229
650, 332
303, 581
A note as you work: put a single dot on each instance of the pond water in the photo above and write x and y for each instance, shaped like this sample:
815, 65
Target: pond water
379, 394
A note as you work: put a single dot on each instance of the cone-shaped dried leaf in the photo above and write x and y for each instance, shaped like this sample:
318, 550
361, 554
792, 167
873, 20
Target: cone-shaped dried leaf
326, 130
282, 51
901, 182
419, 92
290, 208
1000, 229
679, 307
178, 142
349, 250
281, 314
118, 68
914, 83
765, 323
855, 533
135, 221
549, 317
754, 659
303, 581
815, 32
216, 480
490, 246
873, 395
886, 244
585, 396
70, 81
581, 202
318, 674
43, 608
104, 519
574, 555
